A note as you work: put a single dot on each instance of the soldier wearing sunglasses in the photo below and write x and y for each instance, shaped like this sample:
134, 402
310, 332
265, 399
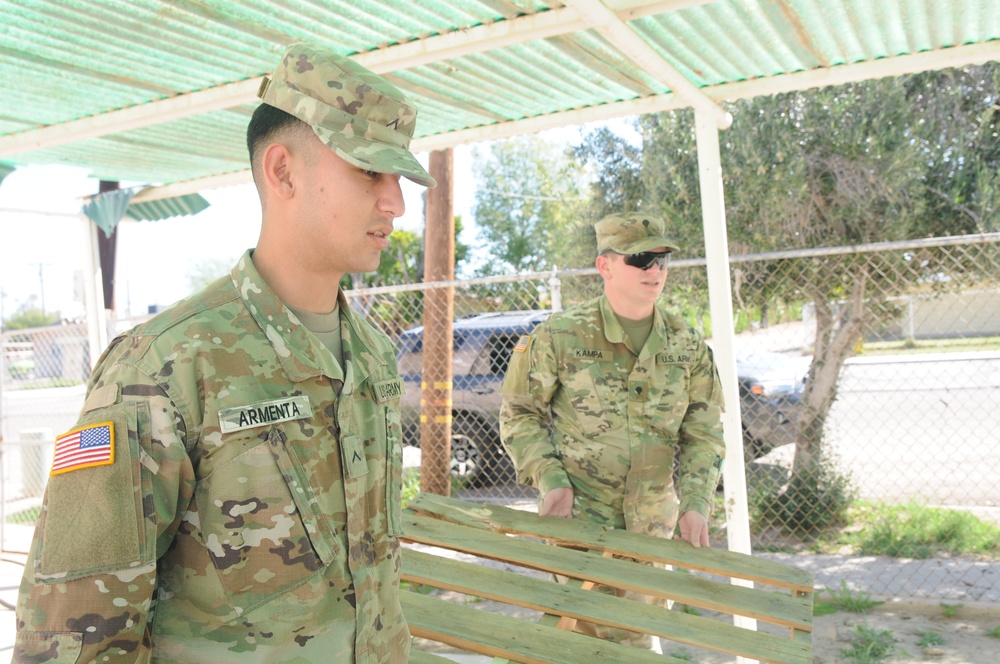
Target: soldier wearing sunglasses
599, 399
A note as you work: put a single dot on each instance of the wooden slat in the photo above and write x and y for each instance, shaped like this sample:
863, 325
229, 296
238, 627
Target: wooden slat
421, 657
776, 608
576, 532
577, 603
517, 640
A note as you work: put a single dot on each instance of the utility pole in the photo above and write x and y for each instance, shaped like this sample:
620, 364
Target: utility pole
41, 282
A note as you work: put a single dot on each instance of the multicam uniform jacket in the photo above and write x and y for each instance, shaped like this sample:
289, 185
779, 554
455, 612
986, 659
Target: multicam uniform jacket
251, 509
616, 417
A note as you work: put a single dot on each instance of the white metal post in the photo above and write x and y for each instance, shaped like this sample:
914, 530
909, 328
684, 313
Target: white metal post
97, 327
723, 337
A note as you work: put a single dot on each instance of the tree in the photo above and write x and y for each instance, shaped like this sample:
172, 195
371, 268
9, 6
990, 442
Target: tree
29, 317
837, 166
528, 205
403, 261
958, 132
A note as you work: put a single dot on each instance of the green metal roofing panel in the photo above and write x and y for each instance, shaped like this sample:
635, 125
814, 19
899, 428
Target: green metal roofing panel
178, 206
467, 64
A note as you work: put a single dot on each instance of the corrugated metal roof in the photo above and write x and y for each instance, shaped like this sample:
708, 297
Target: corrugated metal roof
160, 92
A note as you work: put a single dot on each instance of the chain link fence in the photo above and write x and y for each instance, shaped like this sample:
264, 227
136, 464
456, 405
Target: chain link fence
911, 418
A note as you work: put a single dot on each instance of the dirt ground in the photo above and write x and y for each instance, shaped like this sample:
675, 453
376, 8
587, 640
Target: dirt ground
965, 636
962, 639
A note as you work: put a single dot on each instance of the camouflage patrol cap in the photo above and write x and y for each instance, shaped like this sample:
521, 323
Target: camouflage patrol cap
362, 117
631, 233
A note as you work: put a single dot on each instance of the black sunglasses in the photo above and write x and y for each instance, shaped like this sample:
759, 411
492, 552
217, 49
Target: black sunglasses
647, 259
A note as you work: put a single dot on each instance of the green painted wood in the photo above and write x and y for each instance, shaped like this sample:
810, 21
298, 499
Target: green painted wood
517, 640
772, 607
643, 547
557, 600
421, 657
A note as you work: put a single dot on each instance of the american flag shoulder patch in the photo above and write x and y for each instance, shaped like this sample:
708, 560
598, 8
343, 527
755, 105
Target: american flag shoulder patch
522, 344
85, 447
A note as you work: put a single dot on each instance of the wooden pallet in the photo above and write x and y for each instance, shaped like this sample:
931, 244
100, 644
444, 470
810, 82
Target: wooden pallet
525, 540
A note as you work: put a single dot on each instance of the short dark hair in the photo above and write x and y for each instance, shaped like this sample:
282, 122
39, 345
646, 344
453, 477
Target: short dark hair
264, 123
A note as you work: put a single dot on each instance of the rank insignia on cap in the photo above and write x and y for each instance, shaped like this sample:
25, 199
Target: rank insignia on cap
84, 448
522, 344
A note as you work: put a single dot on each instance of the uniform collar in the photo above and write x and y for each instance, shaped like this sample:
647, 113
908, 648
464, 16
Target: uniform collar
615, 333
301, 354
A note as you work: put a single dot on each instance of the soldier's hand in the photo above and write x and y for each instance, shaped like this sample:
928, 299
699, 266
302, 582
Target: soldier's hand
694, 529
558, 502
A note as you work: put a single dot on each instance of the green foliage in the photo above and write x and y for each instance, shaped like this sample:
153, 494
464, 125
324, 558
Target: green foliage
411, 485
681, 654
995, 632
403, 261
917, 531
859, 602
870, 645
950, 610
528, 207
809, 504
930, 639
29, 515
29, 318
823, 608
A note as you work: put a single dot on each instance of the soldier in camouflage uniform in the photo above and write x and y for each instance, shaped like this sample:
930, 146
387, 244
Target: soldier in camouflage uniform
231, 492
624, 384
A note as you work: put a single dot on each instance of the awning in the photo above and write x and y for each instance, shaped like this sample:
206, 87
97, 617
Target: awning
107, 209
165, 208
5, 170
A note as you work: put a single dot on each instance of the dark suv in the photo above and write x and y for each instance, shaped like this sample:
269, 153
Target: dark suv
769, 393
483, 344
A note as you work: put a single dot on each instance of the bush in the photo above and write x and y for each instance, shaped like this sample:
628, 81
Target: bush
808, 504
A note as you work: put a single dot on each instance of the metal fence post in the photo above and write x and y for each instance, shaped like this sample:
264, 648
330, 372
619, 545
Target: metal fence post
555, 289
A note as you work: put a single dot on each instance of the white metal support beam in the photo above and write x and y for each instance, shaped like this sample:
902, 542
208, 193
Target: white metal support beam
624, 38
723, 338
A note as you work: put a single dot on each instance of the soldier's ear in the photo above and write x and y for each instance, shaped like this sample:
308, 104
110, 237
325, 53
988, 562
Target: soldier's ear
276, 170
603, 265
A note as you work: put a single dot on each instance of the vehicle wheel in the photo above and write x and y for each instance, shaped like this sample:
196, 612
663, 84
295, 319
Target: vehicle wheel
477, 458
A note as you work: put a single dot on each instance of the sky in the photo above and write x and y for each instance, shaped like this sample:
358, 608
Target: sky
43, 238
43, 235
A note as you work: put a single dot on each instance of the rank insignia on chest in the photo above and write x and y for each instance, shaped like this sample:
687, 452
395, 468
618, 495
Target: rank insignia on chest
86, 447
264, 413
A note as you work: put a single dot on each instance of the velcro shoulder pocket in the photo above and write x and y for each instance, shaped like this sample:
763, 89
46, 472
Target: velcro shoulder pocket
92, 518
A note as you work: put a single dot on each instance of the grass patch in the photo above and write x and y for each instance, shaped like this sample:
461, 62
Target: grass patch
855, 602
916, 531
870, 645
915, 346
29, 515
995, 632
930, 639
950, 610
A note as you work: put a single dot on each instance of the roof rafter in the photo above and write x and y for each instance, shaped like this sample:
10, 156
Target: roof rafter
958, 56
401, 56
622, 37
